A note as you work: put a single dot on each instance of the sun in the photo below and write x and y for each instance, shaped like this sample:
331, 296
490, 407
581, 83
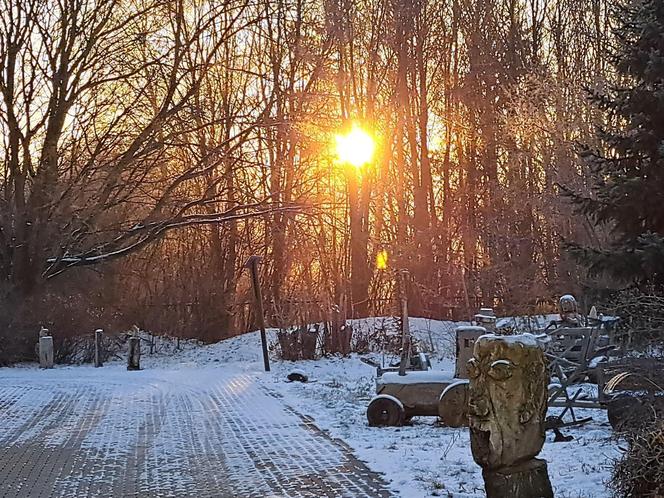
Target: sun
356, 147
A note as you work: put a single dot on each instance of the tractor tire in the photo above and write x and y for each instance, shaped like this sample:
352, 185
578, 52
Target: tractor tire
453, 405
385, 411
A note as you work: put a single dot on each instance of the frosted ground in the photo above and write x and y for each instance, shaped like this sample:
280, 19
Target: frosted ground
419, 460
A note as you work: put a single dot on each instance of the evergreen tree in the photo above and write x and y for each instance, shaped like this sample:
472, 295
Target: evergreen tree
628, 180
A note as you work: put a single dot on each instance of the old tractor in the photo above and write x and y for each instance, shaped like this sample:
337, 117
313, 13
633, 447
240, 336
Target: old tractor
413, 389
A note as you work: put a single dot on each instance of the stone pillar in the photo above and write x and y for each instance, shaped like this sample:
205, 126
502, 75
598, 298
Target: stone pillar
98, 337
507, 408
45, 349
134, 356
465, 342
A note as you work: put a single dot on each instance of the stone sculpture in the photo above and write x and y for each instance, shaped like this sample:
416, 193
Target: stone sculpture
569, 312
465, 342
45, 349
507, 408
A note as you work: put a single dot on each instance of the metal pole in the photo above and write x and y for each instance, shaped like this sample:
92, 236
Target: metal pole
405, 326
252, 264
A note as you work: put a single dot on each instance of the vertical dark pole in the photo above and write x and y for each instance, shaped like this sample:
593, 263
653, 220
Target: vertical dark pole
252, 264
134, 357
405, 325
98, 334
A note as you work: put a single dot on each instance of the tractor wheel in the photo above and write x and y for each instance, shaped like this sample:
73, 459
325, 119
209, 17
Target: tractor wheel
385, 410
453, 405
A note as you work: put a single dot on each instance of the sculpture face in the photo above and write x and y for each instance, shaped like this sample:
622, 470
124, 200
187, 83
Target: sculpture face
567, 304
507, 400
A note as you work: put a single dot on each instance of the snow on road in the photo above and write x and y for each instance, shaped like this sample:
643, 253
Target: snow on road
419, 460
423, 459
179, 431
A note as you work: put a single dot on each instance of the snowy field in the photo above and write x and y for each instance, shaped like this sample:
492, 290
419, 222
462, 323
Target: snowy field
419, 460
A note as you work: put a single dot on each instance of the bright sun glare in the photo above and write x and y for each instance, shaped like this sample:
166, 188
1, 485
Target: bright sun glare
356, 147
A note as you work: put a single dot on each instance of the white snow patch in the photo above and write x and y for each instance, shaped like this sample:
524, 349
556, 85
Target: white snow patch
416, 377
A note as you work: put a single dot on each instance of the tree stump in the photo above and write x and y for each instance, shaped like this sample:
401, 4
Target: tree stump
529, 479
308, 341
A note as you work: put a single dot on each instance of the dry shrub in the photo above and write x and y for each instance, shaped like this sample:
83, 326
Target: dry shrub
641, 324
640, 471
337, 338
381, 335
298, 328
81, 349
299, 343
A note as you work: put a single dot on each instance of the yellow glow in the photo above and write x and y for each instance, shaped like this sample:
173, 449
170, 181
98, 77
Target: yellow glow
356, 147
381, 260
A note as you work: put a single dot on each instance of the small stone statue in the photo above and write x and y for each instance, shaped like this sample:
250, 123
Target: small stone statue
134, 355
507, 408
45, 348
569, 311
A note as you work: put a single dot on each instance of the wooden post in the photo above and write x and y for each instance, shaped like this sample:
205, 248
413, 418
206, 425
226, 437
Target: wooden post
134, 357
405, 326
45, 349
252, 264
98, 336
469, 314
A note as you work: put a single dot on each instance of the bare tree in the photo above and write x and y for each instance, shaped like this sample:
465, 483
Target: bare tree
99, 99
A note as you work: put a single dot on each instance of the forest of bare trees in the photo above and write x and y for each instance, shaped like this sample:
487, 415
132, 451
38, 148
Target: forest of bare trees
150, 146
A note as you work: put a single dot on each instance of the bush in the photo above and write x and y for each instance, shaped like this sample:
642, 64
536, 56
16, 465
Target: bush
641, 324
299, 343
640, 471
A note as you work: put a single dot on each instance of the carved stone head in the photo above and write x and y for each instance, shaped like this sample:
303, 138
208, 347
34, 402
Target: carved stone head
507, 399
569, 309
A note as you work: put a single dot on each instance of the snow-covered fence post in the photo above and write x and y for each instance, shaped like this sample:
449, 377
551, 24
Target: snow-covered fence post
45, 349
134, 356
98, 337
252, 264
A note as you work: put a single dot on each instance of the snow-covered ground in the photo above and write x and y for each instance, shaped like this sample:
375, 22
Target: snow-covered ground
419, 460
